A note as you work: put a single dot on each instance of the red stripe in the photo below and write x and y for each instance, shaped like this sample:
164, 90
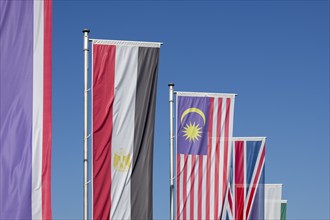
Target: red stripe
192, 189
184, 192
178, 177
103, 97
200, 186
230, 201
226, 147
254, 184
239, 179
208, 162
217, 160
47, 113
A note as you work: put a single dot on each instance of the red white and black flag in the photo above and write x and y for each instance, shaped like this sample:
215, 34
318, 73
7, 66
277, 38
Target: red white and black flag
124, 99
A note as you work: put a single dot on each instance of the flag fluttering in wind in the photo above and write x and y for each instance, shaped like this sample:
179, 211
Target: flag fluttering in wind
25, 109
124, 99
204, 131
249, 177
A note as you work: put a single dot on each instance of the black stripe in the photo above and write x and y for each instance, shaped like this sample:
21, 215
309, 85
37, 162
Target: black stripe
145, 105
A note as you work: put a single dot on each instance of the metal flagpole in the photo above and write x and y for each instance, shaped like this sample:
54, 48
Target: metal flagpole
171, 101
85, 194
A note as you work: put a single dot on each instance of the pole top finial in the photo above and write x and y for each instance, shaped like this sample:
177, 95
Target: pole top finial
85, 30
171, 84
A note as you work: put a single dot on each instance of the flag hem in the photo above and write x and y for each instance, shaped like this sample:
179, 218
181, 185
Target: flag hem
205, 94
127, 43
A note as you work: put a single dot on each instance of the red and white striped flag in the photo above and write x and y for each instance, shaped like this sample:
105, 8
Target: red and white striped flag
204, 131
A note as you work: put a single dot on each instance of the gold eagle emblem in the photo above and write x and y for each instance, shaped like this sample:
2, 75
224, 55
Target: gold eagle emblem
121, 160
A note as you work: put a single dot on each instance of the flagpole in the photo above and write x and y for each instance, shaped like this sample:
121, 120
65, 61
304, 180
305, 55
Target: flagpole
85, 194
171, 101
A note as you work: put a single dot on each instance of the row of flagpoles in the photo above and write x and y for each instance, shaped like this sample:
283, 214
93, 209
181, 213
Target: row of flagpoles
217, 176
211, 179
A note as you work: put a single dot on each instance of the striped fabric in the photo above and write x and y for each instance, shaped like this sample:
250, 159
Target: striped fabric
25, 109
204, 130
124, 92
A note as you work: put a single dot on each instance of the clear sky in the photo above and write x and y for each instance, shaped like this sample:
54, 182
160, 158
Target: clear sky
273, 54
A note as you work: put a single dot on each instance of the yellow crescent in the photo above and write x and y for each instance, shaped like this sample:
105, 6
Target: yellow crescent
190, 110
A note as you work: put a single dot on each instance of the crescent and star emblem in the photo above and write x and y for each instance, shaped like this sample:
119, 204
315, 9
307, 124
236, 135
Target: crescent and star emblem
192, 132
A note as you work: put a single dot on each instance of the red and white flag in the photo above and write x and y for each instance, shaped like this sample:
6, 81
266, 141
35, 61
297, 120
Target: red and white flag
204, 131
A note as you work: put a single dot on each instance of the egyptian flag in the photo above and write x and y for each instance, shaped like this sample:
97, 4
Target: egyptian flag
25, 109
124, 99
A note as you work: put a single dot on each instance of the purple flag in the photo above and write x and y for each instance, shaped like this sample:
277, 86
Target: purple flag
25, 109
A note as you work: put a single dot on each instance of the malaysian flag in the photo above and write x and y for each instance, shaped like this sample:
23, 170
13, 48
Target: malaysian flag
204, 131
249, 177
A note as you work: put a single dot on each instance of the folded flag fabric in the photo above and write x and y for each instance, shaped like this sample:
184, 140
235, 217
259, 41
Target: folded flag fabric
273, 200
283, 209
249, 177
124, 100
204, 131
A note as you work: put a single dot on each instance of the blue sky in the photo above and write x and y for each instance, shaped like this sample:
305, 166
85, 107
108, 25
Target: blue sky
273, 54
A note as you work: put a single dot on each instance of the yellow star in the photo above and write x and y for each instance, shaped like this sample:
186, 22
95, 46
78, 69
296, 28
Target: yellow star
192, 132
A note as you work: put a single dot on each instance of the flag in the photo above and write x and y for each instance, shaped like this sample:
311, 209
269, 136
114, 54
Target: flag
124, 98
249, 177
273, 198
25, 109
283, 209
204, 130
227, 212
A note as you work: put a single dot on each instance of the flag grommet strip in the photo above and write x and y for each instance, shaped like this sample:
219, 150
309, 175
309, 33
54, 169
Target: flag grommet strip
127, 43
204, 94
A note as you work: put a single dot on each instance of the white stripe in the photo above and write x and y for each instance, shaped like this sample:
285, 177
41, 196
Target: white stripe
196, 188
231, 118
92, 146
189, 168
181, 185
230, 134
212, 157
205, 158
123, 129
37, 115
178, 175
244, 176
222, 147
